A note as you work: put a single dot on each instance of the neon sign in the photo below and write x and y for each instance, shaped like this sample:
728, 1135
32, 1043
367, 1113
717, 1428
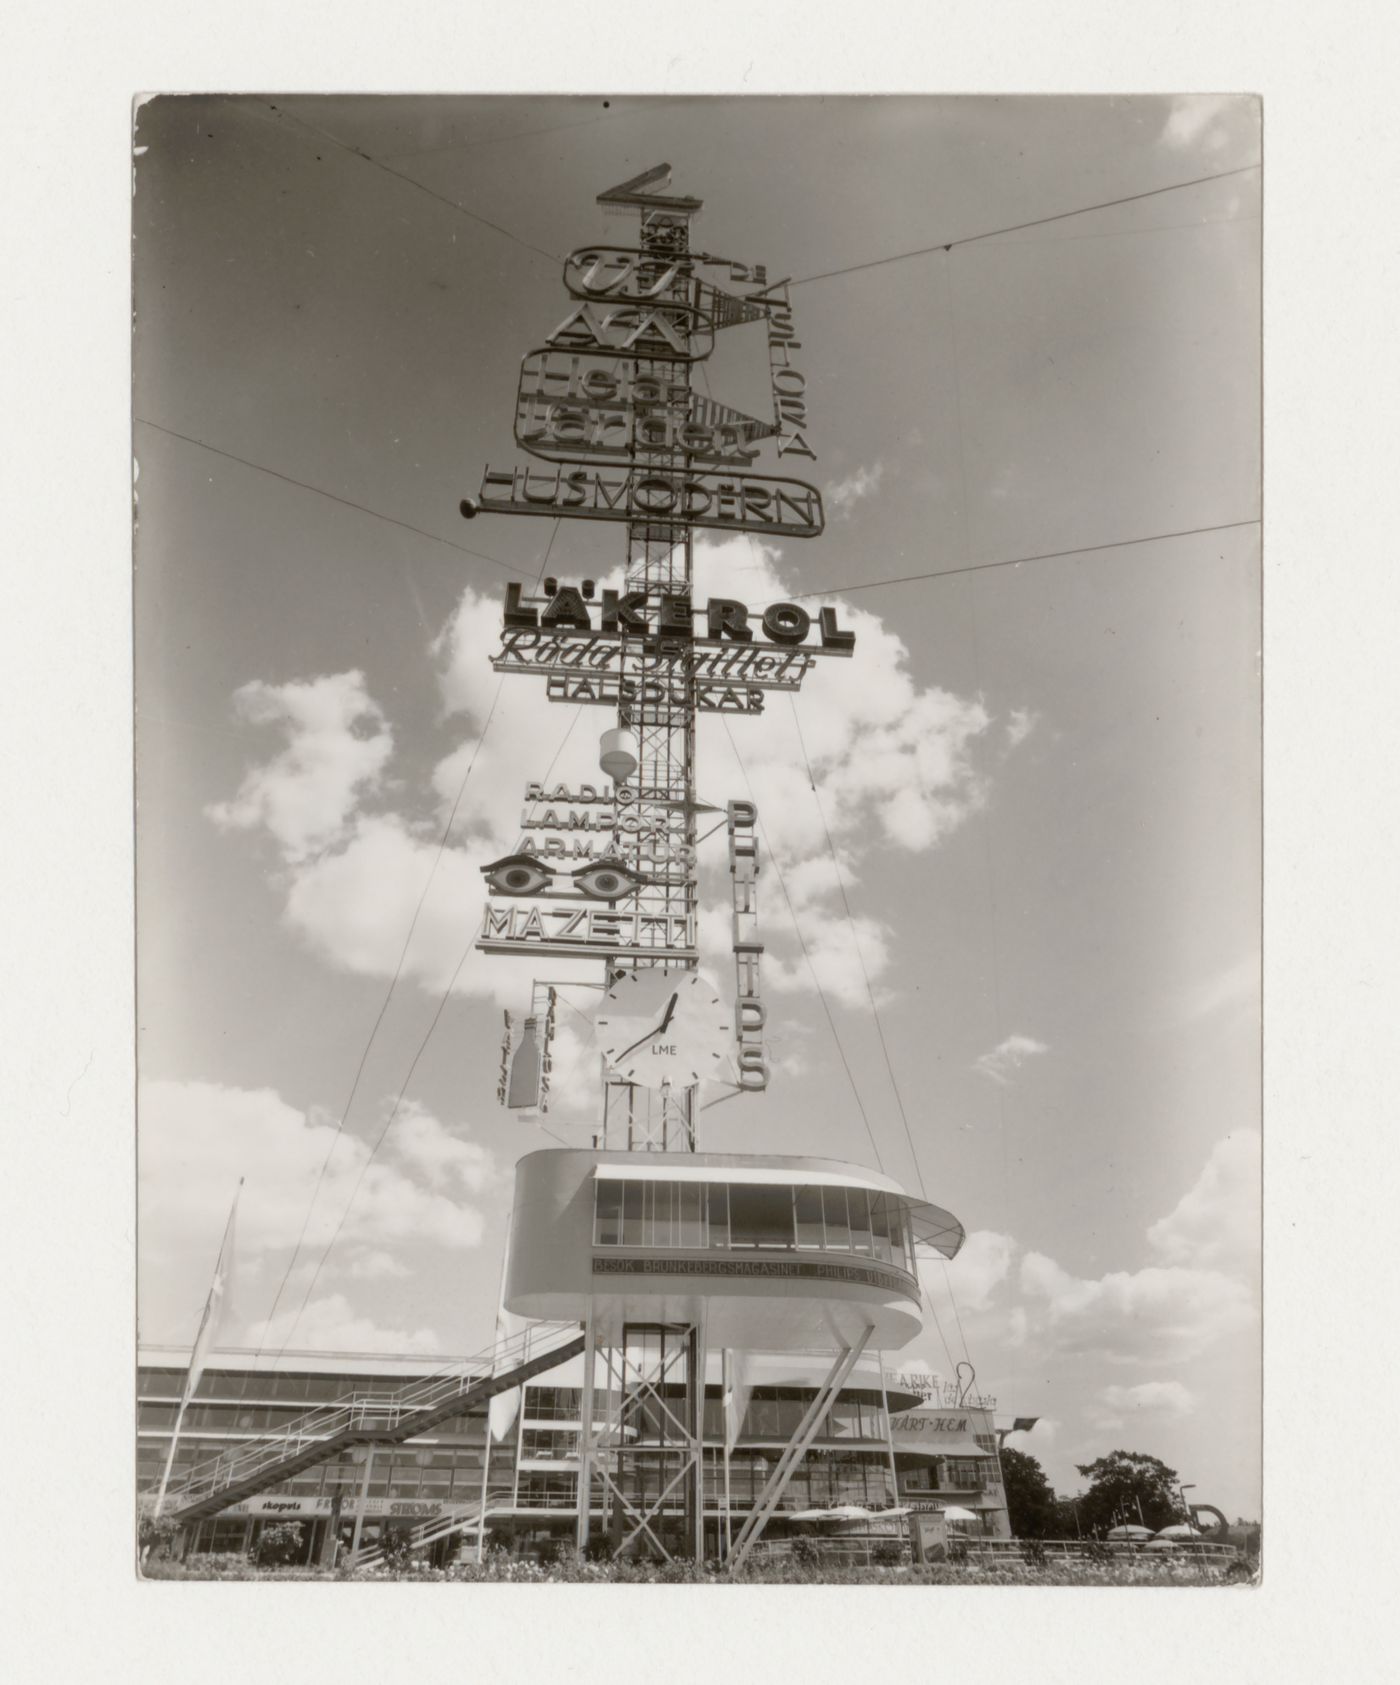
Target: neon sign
569, 608
565, 932
679, 332
732, 502
710, 662
750, 1015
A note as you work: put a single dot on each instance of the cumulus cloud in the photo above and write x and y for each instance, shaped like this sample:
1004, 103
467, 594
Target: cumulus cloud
1020, 723
332, 1324
355, 907
1008, 1056
1038, 1439
896, 763
377, 1266
982, 1265
337, 744
1153, 1314
845, 494
1217, 1220
197, 1138
1204, 122
1116, 1406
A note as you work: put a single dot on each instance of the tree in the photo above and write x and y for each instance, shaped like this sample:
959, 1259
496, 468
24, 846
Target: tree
1129, 1486
1030, 1501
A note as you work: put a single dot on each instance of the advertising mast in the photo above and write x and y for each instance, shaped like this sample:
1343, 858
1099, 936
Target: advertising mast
662, 1252
609, 406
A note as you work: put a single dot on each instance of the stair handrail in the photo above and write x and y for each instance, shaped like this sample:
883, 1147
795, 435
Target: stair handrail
324, 1421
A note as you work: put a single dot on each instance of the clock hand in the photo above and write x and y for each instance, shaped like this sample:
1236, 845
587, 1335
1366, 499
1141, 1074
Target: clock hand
650, 1033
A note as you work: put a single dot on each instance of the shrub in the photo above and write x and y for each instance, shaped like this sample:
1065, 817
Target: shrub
279, 1544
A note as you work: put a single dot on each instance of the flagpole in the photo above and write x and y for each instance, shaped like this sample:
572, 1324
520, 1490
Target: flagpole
727, 1384
170, 1459
196, 1355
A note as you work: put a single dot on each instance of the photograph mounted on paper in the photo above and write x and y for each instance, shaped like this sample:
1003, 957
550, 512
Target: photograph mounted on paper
709, 1032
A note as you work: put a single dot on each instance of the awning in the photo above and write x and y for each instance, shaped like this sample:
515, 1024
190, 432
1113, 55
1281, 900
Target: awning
909, 1443
935, 1228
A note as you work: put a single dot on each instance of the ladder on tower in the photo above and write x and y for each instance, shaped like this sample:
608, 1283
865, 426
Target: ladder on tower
366, 1419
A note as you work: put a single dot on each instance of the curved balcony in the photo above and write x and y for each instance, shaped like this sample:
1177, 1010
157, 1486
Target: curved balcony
769, 1253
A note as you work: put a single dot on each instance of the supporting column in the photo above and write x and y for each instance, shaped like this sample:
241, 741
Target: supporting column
767, 1501
889, 1429
363, 1504
585, 1436
697, 1385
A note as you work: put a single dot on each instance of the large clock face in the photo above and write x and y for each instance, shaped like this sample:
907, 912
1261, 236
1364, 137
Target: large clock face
665, 1026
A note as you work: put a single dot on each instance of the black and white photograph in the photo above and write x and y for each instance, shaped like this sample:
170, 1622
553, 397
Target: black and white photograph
698, 838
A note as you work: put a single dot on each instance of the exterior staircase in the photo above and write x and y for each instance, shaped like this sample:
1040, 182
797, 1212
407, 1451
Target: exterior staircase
365, 1419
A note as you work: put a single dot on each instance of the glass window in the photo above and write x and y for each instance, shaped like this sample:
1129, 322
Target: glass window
547, 1491
859, 1203
632, 1214
807, 1214
880, 1215
719, 1215
663, 1221
838, 1228
760, 1216
545, 1443
607, 1229
692, 1215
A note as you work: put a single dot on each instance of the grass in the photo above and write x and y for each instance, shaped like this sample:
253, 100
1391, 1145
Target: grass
497, 1569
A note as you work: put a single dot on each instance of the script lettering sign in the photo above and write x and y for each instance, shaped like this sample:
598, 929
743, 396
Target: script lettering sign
708, 661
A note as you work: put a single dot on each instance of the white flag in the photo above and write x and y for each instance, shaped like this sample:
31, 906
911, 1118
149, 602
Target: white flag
216, 1306
503, 1407
736, 1397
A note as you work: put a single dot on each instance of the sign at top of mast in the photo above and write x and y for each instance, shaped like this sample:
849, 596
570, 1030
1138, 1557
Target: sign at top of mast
624, 272
670, 332
634, 192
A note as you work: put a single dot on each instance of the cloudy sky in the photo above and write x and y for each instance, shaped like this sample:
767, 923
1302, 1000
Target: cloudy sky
1040, 781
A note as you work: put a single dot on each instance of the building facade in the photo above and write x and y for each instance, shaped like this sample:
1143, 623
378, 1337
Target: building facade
880, 1446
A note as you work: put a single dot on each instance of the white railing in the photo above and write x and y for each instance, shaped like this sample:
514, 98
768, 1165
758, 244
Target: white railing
440, 1526
379, 1413
982, 1546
